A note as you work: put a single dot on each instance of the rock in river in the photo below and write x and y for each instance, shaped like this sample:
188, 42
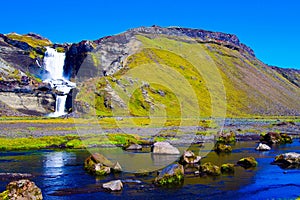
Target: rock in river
113, 185
263, 147
227, 168
189, 158
164, 148
21, 190
210, 169
222, 148
98, 164
247, 162
288, 160
275, 138
170, 176
134, 147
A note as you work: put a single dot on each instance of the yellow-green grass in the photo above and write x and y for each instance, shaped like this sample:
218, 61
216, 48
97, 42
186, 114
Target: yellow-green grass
34, 42
69, 141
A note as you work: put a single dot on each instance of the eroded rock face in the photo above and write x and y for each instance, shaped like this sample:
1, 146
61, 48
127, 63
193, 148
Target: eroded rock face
170, 176
288, 160
113, 185
164, 148
22, 190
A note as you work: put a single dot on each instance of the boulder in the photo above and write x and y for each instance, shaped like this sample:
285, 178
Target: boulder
247, 162
262, 147
21, 190
222, 148
113, 185
227, 168
98, 164
134, 147
288, 160
210, 169
170, 176
227, 138
189, 157
164, 148
275, 138
117, 167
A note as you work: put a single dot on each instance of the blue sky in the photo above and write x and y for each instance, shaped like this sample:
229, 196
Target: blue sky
270, 27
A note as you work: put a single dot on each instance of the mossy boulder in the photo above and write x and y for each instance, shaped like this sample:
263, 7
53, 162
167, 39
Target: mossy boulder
21, 189
98, 164
227, 168
210, 169
227, 137
288, 160
173, 175
275, 138
247, 162
222, 148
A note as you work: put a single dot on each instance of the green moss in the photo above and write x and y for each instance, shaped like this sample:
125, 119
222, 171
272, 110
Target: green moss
4, 195
174, 178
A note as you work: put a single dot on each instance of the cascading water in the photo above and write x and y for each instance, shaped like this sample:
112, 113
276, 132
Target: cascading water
54, 64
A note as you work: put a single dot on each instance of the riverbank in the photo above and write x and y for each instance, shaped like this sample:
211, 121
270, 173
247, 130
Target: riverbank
60, 133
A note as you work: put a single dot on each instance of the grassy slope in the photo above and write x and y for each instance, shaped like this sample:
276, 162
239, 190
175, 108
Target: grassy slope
218, 81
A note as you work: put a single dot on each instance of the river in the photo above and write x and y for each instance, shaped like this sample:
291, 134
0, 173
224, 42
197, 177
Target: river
60, 175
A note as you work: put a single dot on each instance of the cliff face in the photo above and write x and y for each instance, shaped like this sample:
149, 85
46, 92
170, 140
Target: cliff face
252, 88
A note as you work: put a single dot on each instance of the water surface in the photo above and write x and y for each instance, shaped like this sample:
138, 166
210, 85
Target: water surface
60, 175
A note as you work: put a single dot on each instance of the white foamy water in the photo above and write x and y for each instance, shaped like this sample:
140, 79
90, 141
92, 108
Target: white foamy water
54, 64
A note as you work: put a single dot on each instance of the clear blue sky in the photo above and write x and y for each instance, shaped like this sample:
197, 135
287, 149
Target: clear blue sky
270, 27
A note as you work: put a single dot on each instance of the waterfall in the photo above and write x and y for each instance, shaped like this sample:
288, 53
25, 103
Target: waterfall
54, 64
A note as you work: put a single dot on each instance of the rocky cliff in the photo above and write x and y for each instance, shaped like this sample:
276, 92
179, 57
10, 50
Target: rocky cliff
252, 88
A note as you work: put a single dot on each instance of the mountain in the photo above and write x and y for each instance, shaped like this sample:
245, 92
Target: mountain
146, 67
